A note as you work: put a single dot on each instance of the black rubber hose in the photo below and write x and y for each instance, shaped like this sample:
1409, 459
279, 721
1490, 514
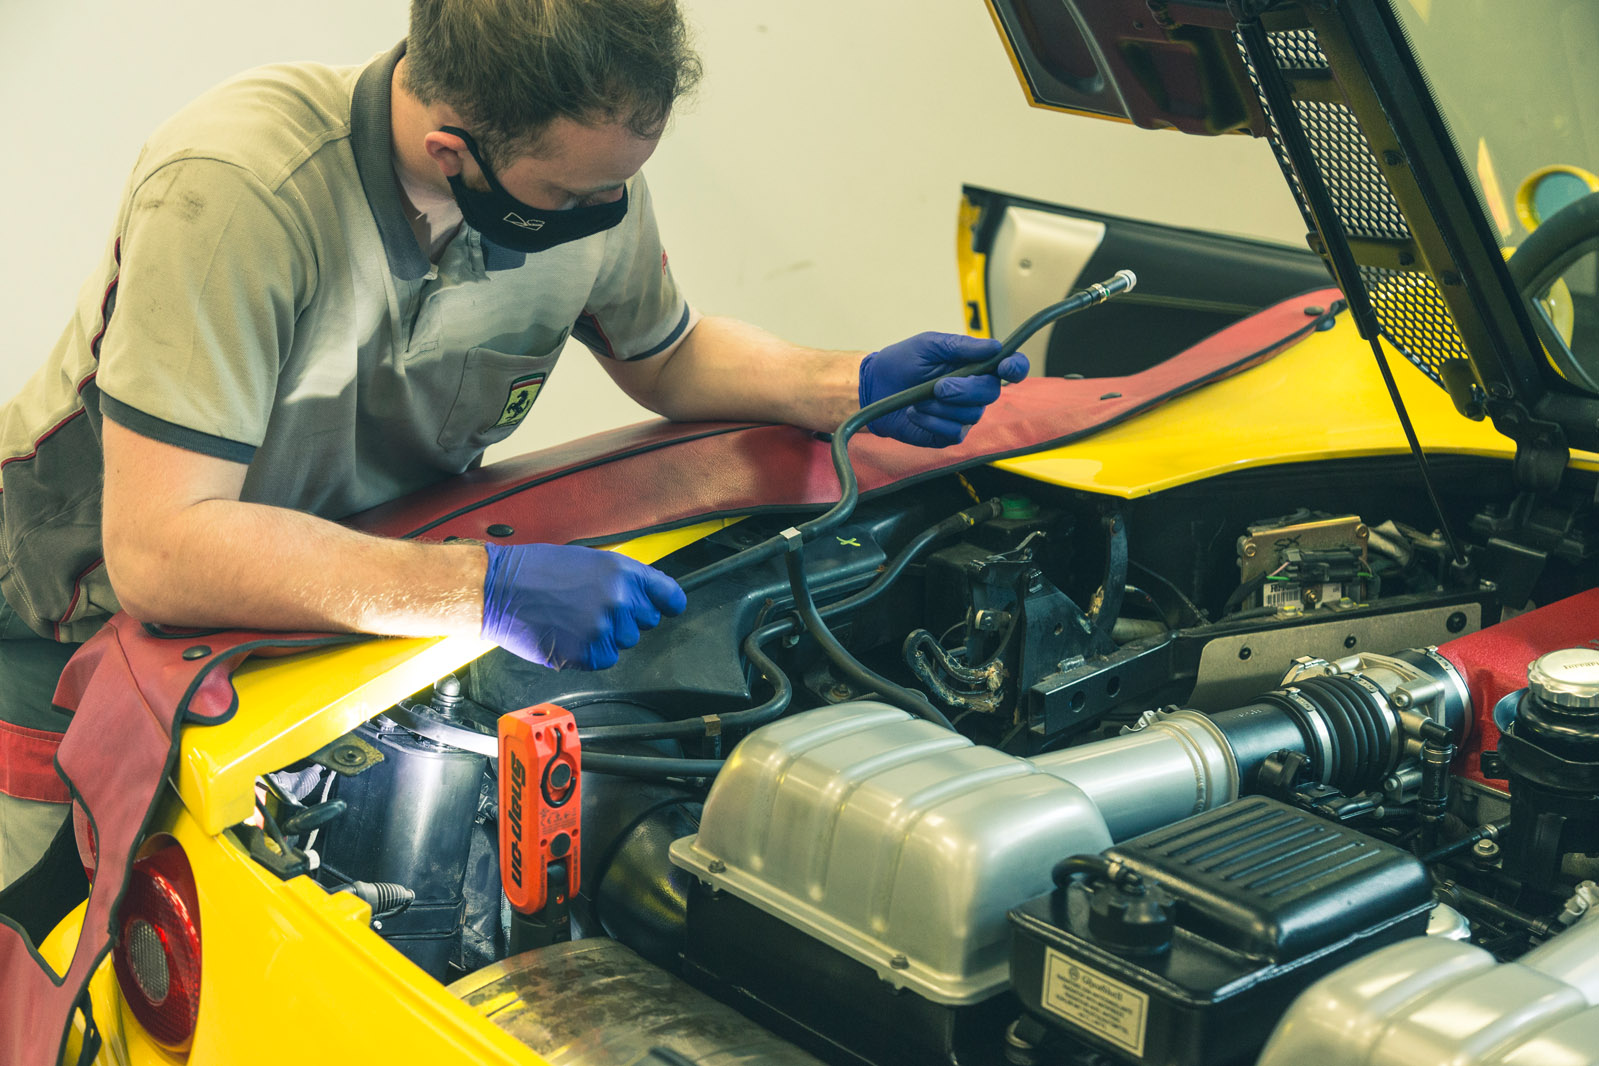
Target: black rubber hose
1463, 898
750, 718
1489, 831
955, 523
1092, 866
849, 485
975, 676
783, 691
653, 767
903, 698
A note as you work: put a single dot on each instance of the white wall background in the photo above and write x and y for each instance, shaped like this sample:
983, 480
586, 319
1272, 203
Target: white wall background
810, 187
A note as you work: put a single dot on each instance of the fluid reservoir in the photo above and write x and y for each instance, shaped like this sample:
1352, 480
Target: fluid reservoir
1551, 757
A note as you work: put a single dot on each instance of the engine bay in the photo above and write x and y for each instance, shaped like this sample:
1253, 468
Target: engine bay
1211, 747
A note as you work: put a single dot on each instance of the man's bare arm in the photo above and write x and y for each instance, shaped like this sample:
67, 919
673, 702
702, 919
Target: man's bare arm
727, 369
182, 549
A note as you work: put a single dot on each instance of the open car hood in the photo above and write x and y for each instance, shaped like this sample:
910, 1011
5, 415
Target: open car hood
1374, 109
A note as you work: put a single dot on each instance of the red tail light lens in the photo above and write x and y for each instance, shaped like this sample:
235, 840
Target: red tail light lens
157, 956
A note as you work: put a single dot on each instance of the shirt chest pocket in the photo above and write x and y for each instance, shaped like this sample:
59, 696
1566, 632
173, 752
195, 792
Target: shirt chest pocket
496, 393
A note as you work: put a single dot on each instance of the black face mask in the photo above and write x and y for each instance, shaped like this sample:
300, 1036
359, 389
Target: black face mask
510, 223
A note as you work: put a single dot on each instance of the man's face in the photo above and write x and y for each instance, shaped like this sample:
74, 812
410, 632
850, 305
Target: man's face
574, 165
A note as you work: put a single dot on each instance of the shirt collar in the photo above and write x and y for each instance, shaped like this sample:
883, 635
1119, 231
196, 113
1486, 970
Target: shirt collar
372, 141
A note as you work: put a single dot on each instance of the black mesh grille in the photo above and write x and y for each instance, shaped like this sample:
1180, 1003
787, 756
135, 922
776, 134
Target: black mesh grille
1407, 303
1414, 317
1359, 192
1297, 50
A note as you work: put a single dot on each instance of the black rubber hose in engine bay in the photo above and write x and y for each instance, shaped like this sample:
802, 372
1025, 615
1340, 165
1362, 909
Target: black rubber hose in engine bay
752, 645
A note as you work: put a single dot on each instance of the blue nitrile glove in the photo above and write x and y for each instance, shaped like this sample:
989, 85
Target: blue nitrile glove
564, 606
956, 405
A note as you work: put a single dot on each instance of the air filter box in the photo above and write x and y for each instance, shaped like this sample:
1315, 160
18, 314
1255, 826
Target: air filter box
1237, 911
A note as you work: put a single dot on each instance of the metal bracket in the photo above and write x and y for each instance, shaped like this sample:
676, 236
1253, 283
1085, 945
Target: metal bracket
347, 755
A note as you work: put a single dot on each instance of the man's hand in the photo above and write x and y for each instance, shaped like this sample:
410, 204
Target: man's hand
957, 403
565, 606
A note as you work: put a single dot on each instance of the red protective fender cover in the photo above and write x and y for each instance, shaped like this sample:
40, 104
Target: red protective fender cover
658, 475
1494, 663
134, 684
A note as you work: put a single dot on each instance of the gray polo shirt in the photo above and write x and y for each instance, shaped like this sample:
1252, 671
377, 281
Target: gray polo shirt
264, 300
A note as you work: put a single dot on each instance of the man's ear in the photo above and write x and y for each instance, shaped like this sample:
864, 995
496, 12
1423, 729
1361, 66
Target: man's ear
449, 152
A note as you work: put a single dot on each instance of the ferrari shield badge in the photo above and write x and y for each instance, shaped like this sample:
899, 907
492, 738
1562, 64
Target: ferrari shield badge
519, 400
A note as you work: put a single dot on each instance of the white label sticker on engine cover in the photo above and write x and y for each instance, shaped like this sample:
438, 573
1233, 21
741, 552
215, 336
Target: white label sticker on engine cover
1102, 1005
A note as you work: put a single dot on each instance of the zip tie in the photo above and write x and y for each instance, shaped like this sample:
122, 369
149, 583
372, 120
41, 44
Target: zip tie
793, 539
713, 725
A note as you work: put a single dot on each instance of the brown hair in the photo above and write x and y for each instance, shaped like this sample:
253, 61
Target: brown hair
510, 67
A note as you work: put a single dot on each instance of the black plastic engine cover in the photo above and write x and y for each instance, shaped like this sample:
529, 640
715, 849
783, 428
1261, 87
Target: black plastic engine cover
1268, 899
824, 1001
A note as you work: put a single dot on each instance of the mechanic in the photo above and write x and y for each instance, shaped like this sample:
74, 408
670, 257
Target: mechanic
330, 287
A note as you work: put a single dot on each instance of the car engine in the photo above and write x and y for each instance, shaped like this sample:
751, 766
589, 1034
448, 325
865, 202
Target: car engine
1199, 805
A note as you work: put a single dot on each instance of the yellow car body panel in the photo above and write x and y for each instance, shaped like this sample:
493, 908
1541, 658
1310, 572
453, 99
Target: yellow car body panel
289, 708
1267, 417
972, 266
287, 966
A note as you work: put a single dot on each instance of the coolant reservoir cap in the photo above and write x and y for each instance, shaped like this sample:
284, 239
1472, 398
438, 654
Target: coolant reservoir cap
1131, 919
1566, 678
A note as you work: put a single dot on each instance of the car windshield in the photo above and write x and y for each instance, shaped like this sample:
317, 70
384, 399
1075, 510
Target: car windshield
1515, 83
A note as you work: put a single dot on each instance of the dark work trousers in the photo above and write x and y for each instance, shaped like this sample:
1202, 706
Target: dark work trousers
32, 797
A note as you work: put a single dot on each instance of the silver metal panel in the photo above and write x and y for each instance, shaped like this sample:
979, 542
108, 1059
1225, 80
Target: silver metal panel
595, 1003
890, 839
1177, 766
1228, 678
1572, 1041
1437, 1000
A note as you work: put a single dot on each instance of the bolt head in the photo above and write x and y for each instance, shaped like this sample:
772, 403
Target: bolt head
717, 866
899, 962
